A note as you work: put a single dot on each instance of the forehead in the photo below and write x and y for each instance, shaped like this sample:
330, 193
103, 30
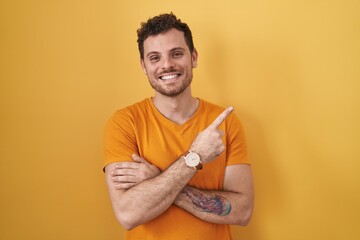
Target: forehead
164, 42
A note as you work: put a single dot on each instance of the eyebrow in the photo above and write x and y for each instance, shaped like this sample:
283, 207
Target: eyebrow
171, 50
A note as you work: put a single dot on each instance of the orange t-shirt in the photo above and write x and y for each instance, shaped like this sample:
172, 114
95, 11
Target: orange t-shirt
142, 129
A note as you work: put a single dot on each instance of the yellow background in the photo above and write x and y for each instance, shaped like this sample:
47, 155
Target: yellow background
290, 68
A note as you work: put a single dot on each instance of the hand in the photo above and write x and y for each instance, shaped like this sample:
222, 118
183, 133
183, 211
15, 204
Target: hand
128, 174
208, 143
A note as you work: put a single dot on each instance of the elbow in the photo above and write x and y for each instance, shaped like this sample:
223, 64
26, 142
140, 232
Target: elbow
127, 224
127, 221
245, 217
246, 212
244, 221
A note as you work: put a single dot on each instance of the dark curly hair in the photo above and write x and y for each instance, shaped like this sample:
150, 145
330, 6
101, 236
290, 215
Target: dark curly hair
160, 24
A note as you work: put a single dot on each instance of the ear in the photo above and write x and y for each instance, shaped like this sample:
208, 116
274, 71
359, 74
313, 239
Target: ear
143, 66
194, 58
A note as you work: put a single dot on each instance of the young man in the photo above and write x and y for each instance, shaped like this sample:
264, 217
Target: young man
176, 166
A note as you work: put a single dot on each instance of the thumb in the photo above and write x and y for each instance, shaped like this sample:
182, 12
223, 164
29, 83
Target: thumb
137, 158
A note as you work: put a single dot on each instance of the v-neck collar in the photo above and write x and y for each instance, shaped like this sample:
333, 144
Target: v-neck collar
170, 123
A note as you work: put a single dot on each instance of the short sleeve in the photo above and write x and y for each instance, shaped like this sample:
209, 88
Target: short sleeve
119, 138
236, 147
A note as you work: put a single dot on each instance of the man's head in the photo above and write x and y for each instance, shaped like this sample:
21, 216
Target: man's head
160, 24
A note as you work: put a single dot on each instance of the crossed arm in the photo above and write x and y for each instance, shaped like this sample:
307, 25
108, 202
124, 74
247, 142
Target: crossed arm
139, 192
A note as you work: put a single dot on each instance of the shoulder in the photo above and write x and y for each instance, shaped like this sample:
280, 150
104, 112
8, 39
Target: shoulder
128, 117
132, 111
211, 109
211, 105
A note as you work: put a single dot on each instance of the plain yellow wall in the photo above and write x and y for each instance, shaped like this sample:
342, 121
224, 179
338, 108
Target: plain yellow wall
290, 68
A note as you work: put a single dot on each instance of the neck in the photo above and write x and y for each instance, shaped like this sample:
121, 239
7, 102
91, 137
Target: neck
177, 108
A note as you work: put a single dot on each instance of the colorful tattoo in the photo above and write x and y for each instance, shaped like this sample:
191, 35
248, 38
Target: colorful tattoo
212, 204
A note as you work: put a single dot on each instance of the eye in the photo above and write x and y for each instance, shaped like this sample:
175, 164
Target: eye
154, 58
178, 54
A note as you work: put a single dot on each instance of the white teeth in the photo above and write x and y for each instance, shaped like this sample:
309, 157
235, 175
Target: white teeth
168, 77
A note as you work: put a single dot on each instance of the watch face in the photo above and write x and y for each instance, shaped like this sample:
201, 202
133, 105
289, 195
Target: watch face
192, 159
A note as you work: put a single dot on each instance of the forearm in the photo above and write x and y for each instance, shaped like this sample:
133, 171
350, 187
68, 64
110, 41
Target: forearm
152, 197
221, 207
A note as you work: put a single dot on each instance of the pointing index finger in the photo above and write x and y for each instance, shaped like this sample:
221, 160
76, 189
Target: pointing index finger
221, 118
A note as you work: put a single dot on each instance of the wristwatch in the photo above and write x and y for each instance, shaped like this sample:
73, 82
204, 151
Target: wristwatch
192, 160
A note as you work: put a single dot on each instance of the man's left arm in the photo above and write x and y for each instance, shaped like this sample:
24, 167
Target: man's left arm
233, 205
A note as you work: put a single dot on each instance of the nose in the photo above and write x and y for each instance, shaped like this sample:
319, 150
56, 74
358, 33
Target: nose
167, 63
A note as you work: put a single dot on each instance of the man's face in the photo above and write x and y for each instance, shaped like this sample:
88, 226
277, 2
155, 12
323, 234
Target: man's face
168, 62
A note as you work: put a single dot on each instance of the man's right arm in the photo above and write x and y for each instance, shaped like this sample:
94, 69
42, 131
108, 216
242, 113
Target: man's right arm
150, 198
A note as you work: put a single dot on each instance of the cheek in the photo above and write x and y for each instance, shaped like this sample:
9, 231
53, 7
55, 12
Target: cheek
151, 70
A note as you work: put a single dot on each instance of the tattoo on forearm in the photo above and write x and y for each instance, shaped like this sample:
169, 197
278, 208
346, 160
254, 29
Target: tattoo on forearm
215, 204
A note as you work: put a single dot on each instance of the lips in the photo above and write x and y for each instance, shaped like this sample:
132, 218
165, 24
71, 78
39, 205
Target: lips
169, 77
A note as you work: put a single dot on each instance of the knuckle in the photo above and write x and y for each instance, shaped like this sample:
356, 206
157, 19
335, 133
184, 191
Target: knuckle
122, 165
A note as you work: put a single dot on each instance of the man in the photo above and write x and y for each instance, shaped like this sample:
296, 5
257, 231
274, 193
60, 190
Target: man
176, 166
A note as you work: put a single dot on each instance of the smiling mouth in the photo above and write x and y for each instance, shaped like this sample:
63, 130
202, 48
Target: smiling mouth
169, 77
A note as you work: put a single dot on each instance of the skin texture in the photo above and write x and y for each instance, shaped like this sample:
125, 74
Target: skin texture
236, 198
168, 64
